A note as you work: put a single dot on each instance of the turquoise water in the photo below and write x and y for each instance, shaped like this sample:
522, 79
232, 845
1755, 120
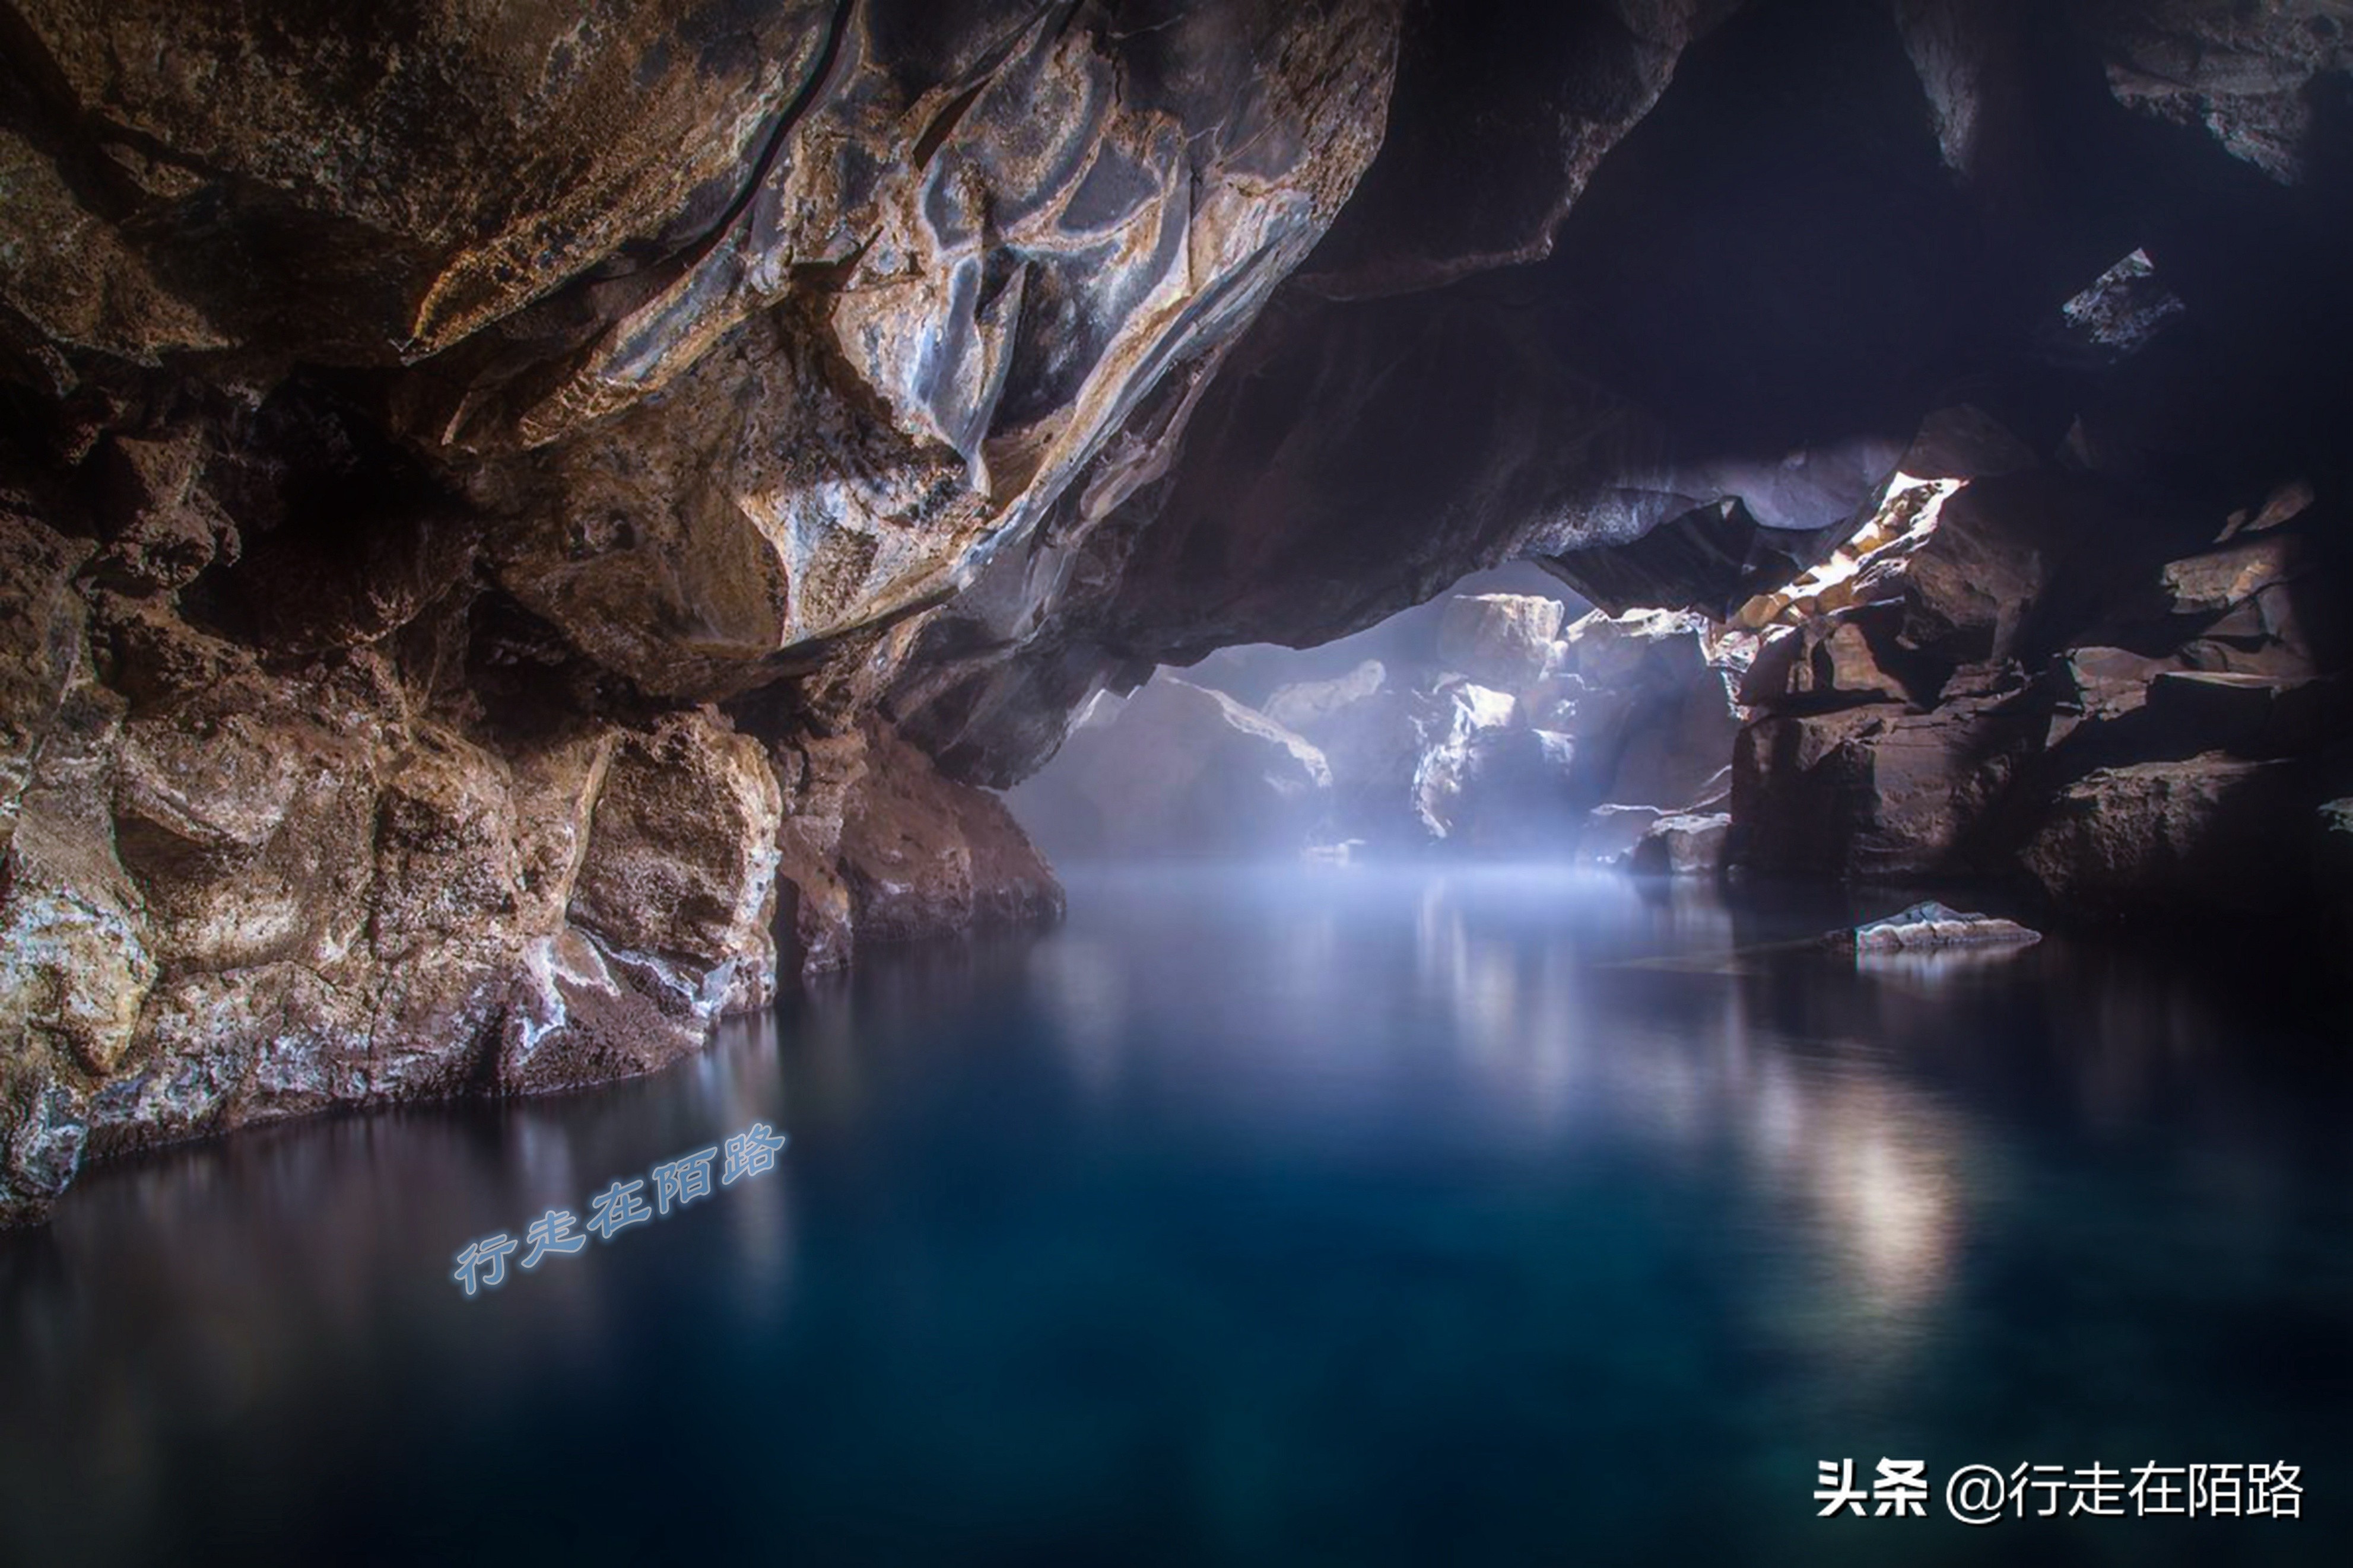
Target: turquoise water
1505, 1217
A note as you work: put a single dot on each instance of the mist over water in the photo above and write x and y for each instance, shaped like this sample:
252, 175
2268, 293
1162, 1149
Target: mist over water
1503, 1213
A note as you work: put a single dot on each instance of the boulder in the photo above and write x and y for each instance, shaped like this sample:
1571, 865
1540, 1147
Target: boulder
2220, 580
1646, 697
1310, 707
1515, 792
2100, 684
1829, 661
1502, 640
1405, 759
2199, 833
1609, 833
1682, 846
1930, 926
1875, 792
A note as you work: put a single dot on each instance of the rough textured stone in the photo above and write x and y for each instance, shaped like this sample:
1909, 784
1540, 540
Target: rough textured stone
2222, 579
679, 352
1867, 793
2241, 73
821, 776
1646, 697
2026, 641
680, 860
1502, 641
1930, 925
445, 172
38, 661
1020, 229
923, 855
1682, 846
2157, 835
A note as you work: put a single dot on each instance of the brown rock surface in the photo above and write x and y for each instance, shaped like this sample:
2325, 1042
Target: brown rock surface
2200, 833
564, 375
1870, 793
924, 855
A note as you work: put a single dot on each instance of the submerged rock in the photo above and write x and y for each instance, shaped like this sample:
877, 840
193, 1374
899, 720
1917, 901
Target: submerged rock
1609, 833
1930, 926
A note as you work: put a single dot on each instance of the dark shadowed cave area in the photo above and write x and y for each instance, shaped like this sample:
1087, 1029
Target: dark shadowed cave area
573, 571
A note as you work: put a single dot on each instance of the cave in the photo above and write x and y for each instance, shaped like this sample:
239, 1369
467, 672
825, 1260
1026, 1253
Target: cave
1375, 781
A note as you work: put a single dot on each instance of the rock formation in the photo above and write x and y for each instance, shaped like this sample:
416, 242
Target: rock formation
467, 489
1688, 843
1930, 925
2055, 674
1180, 770
1502, 641
517, 536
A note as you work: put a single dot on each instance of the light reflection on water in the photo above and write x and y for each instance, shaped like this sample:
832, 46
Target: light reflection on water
1335, 1215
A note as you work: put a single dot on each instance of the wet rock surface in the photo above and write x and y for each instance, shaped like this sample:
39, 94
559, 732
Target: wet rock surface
1931, 926
518, 535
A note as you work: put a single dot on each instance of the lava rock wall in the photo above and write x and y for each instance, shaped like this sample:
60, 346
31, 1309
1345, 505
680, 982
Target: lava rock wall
466, 484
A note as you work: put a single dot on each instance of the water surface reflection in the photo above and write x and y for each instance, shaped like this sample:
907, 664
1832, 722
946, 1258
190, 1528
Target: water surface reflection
1322, 1216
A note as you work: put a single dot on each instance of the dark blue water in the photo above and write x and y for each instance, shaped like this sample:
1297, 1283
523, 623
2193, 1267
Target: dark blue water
1337, 1217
